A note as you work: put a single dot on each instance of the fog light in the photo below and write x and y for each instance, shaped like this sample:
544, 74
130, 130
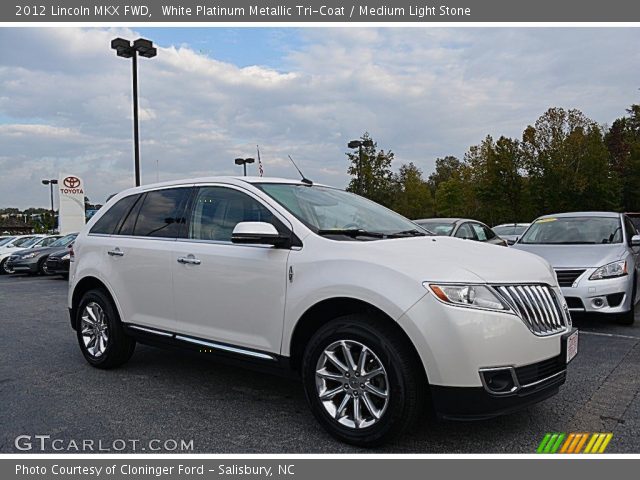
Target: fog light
597, 302
498, 380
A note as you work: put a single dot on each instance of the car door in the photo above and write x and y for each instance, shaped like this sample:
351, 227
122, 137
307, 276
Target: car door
226, 292
137, 257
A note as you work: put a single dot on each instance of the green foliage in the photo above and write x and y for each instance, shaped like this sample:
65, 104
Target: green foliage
564, 162
412, 196
371, 172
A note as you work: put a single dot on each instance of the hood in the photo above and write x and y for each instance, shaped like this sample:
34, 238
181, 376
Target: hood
575, 256
448, 259
39, 250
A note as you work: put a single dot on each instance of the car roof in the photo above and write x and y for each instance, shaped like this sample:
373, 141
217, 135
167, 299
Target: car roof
512, 225
438, 220
233, 180
581, 214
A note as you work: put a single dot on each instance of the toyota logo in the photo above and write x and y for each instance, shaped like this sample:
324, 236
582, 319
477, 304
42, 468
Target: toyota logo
71, 182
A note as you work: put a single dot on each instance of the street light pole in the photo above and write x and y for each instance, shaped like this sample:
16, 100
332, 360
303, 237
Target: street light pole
360, 144
136, 132
51, 183
124, 48
243, 162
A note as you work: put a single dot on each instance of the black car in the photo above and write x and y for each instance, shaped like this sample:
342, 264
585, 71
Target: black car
34, 260
58, 263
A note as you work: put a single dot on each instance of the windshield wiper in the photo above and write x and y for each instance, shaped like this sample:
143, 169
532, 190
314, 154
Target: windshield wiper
414, 232
351, 232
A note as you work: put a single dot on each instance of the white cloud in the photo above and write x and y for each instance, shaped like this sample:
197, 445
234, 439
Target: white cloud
65, 100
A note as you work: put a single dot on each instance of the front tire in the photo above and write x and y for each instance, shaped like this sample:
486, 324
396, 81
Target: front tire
42, 267
101, 337
362, 380
4, 268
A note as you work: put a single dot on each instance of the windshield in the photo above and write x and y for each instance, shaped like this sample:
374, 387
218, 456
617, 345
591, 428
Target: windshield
439, 228
25, 242
4, 241
505, 230
328, 210
64, 241
574, 231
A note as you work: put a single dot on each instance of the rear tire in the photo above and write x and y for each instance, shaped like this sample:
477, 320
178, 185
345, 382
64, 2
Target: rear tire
101, 337
358, 413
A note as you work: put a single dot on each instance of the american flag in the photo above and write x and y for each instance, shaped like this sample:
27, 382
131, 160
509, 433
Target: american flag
260, 169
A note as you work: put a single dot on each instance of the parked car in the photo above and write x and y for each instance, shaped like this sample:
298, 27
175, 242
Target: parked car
375, 314
34, 260
510, 231
45, 241
12, 244
58, 262
595, 256
461, 228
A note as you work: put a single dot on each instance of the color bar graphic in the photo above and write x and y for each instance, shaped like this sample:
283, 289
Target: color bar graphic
557, 442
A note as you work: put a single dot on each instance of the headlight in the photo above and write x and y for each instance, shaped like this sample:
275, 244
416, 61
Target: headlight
477, 296
610, 270
66, 257
29, 255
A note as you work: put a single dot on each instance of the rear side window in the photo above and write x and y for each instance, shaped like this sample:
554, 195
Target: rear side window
109, 222
161, 213
465, 232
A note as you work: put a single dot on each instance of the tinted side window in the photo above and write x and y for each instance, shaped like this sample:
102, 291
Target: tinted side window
488, 232
129, 223
217, 210
161, 213
108, 223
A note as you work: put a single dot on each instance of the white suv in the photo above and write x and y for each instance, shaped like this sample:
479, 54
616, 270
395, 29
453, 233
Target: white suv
379, 318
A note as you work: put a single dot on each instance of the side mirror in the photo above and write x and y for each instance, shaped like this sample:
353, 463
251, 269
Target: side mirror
258, 233
635, 241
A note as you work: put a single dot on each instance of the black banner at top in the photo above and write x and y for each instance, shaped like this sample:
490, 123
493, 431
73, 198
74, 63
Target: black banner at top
325, 11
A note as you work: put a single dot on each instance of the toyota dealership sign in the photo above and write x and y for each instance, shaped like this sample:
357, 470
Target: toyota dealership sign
72, 216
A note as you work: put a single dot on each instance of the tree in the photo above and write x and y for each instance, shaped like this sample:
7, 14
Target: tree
567, 163
623, 144
445, 168
412, 195
455, 197
372, 175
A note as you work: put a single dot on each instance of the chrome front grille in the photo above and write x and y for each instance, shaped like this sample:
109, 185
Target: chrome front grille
537, 306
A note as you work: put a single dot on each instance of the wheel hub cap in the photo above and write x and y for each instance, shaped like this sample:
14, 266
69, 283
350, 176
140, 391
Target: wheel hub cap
94, 329
352, 384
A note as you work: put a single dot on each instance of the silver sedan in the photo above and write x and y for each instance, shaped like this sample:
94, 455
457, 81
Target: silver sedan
595, 256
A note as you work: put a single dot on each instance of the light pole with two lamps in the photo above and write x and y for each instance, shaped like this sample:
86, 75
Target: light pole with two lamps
126, 49
243, 162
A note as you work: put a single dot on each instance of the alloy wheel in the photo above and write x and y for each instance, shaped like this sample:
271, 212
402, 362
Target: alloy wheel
94, 329
352, 384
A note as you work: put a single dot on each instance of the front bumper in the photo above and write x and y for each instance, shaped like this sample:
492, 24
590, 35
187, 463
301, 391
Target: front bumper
57, 266
19, 265
535, 382
455, 343
609, 296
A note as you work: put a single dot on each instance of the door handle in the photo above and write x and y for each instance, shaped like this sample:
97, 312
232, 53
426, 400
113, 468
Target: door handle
116, 252
190, 260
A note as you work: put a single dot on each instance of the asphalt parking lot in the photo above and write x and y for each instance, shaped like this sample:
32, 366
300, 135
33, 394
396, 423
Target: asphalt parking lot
47, 388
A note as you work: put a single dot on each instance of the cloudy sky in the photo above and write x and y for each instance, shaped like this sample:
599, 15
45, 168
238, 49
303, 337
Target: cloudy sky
213, 94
